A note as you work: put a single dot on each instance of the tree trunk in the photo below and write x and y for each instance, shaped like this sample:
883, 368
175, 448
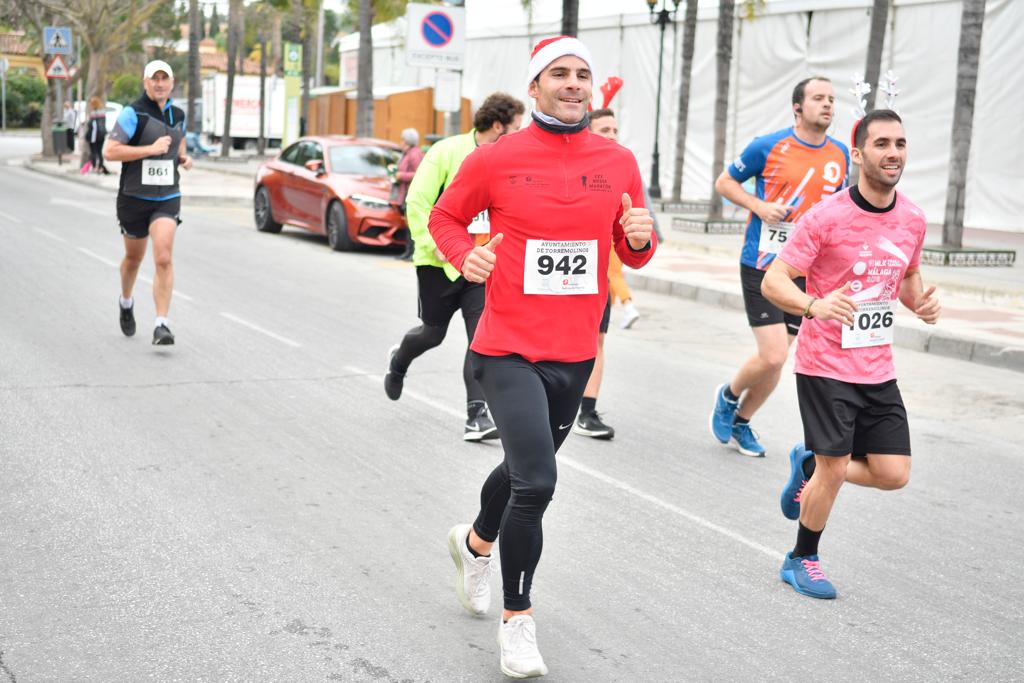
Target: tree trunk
364, 90
307, 75
689, 36
261, 142
723, 65
234, 8
972, 19
876, 41
194, 90
570, 17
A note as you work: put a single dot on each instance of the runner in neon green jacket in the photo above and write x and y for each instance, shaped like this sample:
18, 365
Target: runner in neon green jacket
442, 289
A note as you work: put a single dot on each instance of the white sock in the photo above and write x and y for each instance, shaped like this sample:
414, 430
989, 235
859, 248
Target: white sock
161, 320
126, 303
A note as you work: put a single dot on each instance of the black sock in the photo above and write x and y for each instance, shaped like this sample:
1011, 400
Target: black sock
737, 420
727, 392
471, 551
806, 542
588, 405
808, 467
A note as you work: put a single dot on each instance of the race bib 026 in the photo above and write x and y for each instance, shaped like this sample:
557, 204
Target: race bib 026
774, 236
872, 325
559, 268
157, 172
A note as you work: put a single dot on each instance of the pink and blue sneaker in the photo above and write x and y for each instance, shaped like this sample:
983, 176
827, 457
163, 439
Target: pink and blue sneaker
805, 576
794, 488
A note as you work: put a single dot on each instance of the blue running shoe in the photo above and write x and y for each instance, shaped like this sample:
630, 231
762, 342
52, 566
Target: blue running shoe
722, 415
794, 488
805, 576
745, 440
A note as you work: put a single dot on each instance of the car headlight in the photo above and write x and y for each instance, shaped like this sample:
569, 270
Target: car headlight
370, 202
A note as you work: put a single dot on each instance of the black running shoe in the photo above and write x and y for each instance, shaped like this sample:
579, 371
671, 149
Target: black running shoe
127, 319
590, 424
480, 426
162, 336
393, 381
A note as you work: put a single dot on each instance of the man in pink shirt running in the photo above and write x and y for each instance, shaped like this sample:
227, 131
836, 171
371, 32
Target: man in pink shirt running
860, 250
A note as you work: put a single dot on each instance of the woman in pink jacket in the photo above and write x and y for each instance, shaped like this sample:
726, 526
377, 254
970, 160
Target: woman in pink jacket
412, 155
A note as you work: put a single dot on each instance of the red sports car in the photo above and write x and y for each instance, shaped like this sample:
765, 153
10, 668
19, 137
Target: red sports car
333, 185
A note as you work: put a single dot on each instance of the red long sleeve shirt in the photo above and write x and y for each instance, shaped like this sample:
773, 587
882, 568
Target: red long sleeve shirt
562, 188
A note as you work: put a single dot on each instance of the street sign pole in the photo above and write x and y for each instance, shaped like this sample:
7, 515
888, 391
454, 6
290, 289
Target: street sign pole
3, 94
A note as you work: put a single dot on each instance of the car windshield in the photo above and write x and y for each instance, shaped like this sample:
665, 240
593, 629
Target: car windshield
362, 159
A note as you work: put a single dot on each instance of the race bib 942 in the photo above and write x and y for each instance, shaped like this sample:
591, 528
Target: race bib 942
157, 172
559, 268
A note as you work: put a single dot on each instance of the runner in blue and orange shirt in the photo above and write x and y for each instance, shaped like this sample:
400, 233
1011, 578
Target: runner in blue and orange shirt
795, 168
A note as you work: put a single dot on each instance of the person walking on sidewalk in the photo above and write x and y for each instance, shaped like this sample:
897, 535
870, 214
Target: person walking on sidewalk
795, 168
412, 156
149, 140
442, 289
559, 197
860, 250
96, 135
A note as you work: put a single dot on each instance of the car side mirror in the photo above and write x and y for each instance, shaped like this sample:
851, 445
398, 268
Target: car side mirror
316, 166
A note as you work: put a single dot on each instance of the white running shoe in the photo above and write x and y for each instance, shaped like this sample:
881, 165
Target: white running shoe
473, 582
520, 657
629, 315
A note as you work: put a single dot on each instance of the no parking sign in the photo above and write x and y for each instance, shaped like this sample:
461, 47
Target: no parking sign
436, 36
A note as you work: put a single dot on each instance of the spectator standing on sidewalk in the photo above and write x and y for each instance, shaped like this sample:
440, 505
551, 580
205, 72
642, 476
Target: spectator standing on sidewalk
70, 121
412, 155
96, 134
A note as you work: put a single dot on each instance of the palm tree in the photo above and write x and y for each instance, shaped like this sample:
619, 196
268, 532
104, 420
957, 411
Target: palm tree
726, 11
876, 41
972, 18
570, 17
234, 9
364, 90
689, 35
194, 91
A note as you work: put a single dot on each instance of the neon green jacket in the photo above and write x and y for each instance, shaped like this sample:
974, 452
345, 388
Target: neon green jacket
435, 172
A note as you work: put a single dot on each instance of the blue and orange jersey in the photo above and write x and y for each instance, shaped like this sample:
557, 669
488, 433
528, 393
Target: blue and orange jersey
792, 171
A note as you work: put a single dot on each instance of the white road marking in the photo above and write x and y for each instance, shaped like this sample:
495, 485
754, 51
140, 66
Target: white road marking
13, 219
49, 234
272, 335
600, 476
113, 264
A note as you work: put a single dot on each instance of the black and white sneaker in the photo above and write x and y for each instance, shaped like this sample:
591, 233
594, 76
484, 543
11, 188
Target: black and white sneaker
162, 336
480, 426
393, 381
590, 424
127, 319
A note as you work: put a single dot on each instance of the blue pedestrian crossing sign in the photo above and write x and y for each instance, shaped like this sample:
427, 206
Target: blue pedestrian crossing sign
436, 36
57, 40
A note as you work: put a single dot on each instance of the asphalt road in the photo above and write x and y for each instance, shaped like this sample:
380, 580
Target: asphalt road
248, 506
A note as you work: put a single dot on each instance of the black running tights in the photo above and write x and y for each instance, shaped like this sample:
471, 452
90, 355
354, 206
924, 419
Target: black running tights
419, 340
533, 406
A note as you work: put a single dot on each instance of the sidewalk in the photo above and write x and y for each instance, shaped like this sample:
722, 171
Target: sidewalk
209, 183
983, 308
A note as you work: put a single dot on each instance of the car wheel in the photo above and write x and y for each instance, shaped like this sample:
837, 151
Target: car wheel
261, 210
337, 229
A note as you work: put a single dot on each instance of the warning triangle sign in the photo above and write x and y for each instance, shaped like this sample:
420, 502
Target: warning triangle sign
57, 68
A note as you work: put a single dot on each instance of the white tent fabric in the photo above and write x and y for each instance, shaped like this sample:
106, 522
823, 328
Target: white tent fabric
789, 40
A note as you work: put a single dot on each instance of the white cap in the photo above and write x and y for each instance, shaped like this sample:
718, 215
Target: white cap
157, 65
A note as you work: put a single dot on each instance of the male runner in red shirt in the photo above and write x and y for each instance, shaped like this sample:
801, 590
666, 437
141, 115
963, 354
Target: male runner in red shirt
559, 197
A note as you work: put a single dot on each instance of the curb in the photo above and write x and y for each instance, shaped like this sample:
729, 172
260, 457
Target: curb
940, 343
186, 199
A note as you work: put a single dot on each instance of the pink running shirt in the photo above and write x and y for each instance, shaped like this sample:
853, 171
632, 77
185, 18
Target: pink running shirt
838, 242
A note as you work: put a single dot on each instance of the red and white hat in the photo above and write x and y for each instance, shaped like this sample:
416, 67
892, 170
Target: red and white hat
550, 49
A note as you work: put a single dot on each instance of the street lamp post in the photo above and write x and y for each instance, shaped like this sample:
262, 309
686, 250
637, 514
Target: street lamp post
662, 18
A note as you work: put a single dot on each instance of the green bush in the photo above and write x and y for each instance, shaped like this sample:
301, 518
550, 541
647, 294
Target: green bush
26, 94
126, 89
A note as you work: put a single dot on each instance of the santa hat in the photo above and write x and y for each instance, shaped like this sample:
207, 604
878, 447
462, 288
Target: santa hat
550, 49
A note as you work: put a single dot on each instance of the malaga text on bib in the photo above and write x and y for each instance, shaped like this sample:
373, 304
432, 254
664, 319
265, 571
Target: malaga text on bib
553, 267
157, 172
774, 236
872, 325
481, 224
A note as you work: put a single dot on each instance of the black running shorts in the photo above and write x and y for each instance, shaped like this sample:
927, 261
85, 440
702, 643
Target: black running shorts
841, 418
135, 215
440, 298
607, 317
760, 311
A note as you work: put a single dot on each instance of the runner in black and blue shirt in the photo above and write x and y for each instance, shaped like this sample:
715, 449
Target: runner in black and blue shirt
149, 141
